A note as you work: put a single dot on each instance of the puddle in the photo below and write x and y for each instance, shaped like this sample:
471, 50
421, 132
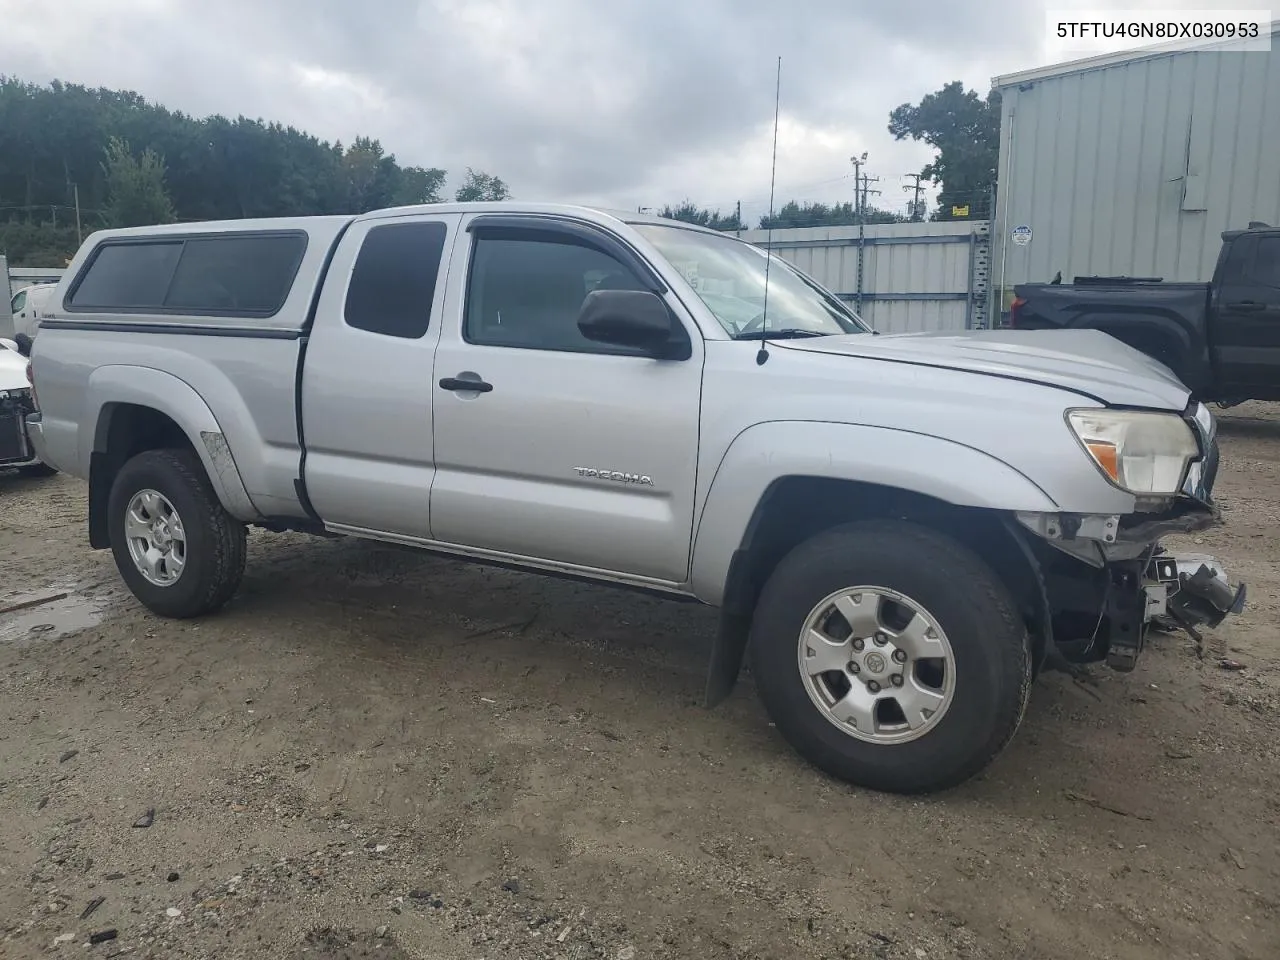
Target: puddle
53, 618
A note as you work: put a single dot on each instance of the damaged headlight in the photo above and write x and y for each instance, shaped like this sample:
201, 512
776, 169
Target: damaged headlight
1146, 454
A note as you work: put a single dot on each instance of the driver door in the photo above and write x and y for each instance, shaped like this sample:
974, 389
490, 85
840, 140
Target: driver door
571, 453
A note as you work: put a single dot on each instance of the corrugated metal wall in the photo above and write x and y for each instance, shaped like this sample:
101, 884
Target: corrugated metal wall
1136, 167
915, 276
23, 276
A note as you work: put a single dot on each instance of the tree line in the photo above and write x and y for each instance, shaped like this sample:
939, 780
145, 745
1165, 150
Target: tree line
790, 214
125, 161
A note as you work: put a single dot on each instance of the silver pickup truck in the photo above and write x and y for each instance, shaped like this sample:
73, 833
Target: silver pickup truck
898, 531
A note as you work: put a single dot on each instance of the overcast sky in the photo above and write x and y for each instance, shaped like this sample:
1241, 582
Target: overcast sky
617, 102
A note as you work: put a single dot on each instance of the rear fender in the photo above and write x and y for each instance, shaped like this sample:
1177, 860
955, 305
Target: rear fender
112, 386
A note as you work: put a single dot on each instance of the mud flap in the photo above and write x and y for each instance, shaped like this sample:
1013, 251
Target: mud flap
735, 626
726, 657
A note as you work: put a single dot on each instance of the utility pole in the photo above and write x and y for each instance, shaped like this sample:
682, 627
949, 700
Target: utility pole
862, 227
857, 181
79, 239
917, 188
859, 212
866, 191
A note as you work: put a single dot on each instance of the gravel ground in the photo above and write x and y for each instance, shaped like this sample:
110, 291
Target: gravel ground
373, 753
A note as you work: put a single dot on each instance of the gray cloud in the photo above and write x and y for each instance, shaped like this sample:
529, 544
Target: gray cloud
624, 103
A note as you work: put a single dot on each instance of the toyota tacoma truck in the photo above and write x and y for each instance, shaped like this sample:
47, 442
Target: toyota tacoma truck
1221, 338
898, 531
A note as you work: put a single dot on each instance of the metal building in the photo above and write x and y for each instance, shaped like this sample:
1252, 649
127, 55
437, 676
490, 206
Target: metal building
901, 277
1134, 163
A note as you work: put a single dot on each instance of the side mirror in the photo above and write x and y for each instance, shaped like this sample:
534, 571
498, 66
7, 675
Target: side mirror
6, 342
630, 318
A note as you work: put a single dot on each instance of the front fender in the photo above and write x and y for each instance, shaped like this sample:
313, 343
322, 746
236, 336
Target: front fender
116, 384
919, 463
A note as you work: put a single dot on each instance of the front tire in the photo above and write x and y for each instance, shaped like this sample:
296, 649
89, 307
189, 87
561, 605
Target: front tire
178, 550
891, 657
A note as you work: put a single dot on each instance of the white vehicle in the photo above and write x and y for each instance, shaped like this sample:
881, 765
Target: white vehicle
29, 306
16, 402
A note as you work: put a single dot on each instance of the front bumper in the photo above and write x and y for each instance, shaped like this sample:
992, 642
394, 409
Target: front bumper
1103, 609
1107, 578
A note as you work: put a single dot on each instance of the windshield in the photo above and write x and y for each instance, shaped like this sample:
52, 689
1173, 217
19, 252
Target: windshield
728, 276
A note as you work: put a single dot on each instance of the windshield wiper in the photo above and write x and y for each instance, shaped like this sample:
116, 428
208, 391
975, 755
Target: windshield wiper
788, 333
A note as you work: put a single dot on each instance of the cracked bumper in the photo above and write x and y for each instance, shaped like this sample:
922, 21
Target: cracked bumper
1134, 581
1120, 579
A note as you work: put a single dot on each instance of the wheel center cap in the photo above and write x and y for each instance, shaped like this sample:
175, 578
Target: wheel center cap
875, 663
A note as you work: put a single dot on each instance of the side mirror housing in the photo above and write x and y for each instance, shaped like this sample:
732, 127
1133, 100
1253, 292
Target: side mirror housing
633, 318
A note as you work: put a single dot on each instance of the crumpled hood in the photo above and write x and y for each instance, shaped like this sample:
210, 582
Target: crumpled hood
13, 370
1086, 361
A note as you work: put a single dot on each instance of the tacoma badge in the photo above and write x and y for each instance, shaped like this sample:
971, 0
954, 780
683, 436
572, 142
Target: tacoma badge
617, 475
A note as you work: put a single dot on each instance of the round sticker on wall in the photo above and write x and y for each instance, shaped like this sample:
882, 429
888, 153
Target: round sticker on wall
1022, 235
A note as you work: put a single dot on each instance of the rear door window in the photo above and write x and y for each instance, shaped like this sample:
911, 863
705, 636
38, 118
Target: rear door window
393, 282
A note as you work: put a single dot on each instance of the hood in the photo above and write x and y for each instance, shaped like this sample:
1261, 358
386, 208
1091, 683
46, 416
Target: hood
13, 370
1087, 362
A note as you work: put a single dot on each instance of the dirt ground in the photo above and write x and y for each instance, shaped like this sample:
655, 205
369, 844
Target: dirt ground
372, 753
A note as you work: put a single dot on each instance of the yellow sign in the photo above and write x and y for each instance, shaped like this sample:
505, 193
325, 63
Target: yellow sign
958, 211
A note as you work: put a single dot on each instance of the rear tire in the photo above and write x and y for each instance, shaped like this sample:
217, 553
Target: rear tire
937, 607
211, 561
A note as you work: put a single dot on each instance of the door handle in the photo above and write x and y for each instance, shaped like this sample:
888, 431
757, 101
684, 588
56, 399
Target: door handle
460, 384
1250, 305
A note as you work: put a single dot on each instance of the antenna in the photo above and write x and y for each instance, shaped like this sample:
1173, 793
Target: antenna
763, 354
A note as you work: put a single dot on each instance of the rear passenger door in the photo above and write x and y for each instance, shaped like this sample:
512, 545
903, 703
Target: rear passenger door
366, 378
1246, 332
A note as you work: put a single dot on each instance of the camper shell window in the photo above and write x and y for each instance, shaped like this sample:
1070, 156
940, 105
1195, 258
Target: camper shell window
220, 275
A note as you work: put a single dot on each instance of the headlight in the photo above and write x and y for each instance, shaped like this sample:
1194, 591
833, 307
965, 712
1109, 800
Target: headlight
1146, 454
